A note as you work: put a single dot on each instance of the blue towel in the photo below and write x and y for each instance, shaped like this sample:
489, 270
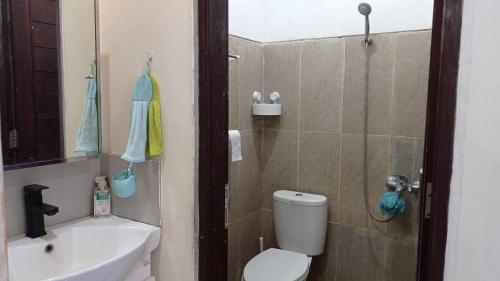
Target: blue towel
87, 139
137, 138
391, 203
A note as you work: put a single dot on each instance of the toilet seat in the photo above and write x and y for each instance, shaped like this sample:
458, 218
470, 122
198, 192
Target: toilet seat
277, 265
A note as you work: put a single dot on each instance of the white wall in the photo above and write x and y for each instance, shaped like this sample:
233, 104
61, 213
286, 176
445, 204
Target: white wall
78, 49
246, 19
280, 20
129, 29
474, 229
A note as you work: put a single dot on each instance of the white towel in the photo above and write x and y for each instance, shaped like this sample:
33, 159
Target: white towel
235, 139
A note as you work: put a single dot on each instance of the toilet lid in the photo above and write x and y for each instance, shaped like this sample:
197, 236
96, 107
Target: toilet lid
276, 265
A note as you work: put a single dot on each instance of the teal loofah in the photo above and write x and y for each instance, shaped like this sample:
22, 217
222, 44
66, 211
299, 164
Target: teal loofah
391, 203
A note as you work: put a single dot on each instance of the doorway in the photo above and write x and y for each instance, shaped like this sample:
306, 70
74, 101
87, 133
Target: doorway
267, 134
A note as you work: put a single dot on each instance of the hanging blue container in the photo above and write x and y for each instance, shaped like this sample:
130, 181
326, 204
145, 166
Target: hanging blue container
123, 183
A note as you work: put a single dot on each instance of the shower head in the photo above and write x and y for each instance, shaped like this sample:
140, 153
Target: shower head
365, 9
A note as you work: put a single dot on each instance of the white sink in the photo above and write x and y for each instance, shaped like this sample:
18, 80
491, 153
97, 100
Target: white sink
88, 249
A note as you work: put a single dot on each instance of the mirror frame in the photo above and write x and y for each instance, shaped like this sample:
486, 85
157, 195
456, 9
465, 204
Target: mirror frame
99, 112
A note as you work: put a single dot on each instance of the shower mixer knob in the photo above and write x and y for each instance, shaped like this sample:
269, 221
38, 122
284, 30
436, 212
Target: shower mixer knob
400, 183
415, 187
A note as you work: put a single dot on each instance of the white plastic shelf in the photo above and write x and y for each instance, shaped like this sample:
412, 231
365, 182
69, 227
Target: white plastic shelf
267, 109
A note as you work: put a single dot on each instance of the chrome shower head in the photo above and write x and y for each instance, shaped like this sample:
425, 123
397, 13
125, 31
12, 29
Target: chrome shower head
365, 9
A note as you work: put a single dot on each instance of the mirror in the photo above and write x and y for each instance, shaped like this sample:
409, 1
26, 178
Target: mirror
48, 87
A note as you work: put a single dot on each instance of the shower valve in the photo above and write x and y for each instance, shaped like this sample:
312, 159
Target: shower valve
401, 183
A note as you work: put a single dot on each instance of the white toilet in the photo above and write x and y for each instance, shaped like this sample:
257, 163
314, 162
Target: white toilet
300, 220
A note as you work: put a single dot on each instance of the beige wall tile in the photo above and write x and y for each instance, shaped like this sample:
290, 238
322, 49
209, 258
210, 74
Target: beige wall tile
248, 239
361, 255
381, 68
352, 208
251, 79
401, 260
410, 83
70, 188
377, 169
281, 74
324, 267
250, 183
234, 182
418, 158
268, 230
232, 253
403, 159
234, 45
402, 151
234, 94
321, 79
319, 167
279, 167
406, 224
144, 206
351, 182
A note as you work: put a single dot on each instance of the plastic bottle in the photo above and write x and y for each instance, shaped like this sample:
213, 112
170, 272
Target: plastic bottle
102, 198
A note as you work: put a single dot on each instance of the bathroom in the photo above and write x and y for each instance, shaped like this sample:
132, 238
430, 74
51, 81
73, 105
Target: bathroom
249, 140
313, 56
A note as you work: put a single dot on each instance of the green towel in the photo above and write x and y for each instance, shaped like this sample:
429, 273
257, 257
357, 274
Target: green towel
154, 145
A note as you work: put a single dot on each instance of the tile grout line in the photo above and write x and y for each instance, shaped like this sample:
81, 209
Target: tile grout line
298, 114
386, 254
238, 50
373, 230
238, 166
337, 245
391, 104
339, 189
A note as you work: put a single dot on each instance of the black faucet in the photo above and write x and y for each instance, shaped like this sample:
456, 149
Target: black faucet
35, 209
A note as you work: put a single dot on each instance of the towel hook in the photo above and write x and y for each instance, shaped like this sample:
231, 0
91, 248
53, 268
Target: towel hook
92, 73
149, 61
131, 166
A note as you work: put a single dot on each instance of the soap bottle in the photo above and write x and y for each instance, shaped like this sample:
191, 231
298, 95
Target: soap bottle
102, 198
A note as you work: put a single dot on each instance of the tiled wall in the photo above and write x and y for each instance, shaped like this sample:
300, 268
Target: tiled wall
71, 186
316, 145
245, 179
144, 206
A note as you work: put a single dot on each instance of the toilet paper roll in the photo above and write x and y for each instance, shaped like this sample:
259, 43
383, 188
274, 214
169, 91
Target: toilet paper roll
235, 140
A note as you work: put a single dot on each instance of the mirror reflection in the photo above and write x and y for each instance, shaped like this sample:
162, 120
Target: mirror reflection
48, 86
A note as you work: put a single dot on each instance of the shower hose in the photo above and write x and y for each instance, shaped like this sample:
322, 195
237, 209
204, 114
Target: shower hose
365, 143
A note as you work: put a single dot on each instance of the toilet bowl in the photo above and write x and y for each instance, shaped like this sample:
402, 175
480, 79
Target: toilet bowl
300, 221
277, 265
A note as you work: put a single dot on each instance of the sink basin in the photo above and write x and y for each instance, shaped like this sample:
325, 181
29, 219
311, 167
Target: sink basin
112, 249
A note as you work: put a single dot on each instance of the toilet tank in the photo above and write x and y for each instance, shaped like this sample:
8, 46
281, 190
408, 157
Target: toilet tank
300, 220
